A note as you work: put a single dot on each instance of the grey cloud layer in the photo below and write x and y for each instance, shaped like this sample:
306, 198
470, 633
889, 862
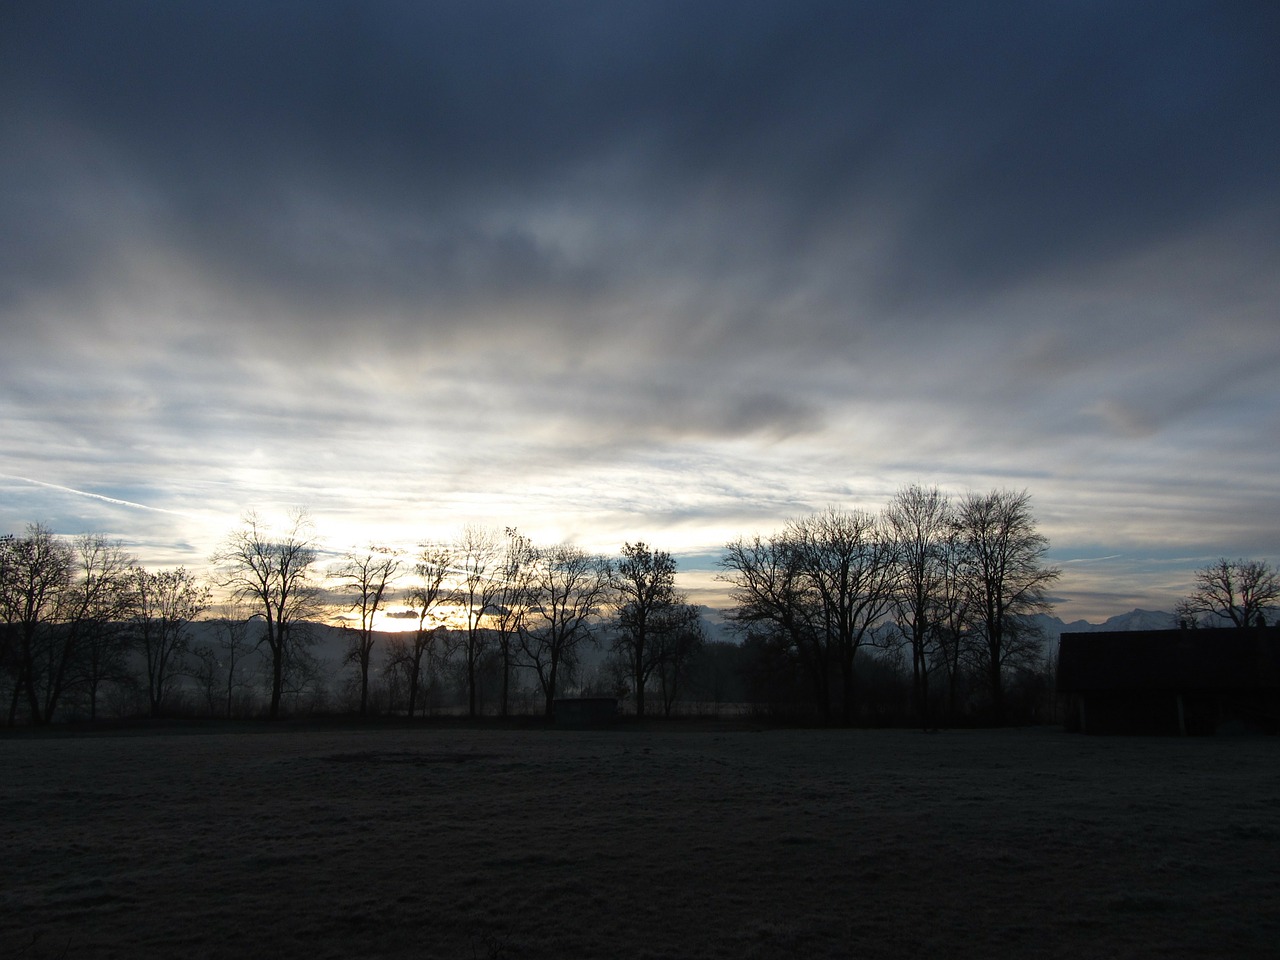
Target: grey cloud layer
411, 162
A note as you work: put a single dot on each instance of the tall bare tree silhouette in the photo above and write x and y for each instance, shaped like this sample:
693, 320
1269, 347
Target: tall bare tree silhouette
1006, 578
366, 577
272, 573
1243, 592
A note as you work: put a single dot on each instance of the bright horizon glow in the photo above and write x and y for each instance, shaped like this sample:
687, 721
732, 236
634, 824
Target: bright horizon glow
1086, 591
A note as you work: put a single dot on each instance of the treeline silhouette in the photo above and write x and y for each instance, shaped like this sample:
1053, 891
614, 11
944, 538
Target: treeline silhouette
923, 612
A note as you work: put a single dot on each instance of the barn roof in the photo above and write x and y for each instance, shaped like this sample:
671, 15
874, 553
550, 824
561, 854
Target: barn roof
1172, 660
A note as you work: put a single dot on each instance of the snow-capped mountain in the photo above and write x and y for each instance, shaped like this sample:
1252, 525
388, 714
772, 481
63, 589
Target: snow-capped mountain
1135, 619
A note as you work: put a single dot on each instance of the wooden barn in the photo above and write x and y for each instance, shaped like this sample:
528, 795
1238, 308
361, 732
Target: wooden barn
1198, 681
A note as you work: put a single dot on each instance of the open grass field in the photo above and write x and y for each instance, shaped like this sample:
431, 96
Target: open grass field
678, 841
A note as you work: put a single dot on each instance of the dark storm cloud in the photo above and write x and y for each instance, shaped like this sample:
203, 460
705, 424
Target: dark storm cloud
398, 159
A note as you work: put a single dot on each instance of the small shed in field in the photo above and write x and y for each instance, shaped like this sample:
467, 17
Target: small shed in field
1195, 681
586, 711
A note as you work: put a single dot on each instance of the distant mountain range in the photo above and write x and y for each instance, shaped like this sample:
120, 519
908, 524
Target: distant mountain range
1135, 619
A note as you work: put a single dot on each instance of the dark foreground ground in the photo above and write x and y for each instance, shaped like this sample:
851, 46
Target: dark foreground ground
683, 842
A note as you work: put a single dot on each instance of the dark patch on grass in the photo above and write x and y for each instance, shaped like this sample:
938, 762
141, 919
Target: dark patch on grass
410, 759
1144, 903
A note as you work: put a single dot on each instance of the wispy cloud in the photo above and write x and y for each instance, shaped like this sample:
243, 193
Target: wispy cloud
93, 496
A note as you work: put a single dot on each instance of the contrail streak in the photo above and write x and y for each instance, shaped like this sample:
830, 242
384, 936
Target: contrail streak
94, 496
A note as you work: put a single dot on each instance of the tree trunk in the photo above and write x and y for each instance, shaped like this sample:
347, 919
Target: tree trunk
29, 688
506, 674
277, 680
818, 677
922, 690
846, 681
953, 681
639, 678
364, 678
997, 690
471, 690
413, 684
13, 702
550, 691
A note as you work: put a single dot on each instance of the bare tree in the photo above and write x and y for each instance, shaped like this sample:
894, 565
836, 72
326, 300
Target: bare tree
680, 638
9, 656
203, 668
777, 606
272, 574
1243, 592
821, 586
103, 659
94, 594
366, 577
953, 622
515, 588
410, 657
220, 665
304, 672
57, 607
919, 521
478, 556
849, 564
568, 587
165, 603
1007, 581
643, 583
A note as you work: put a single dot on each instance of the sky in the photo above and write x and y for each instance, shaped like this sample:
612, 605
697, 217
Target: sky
672, 272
